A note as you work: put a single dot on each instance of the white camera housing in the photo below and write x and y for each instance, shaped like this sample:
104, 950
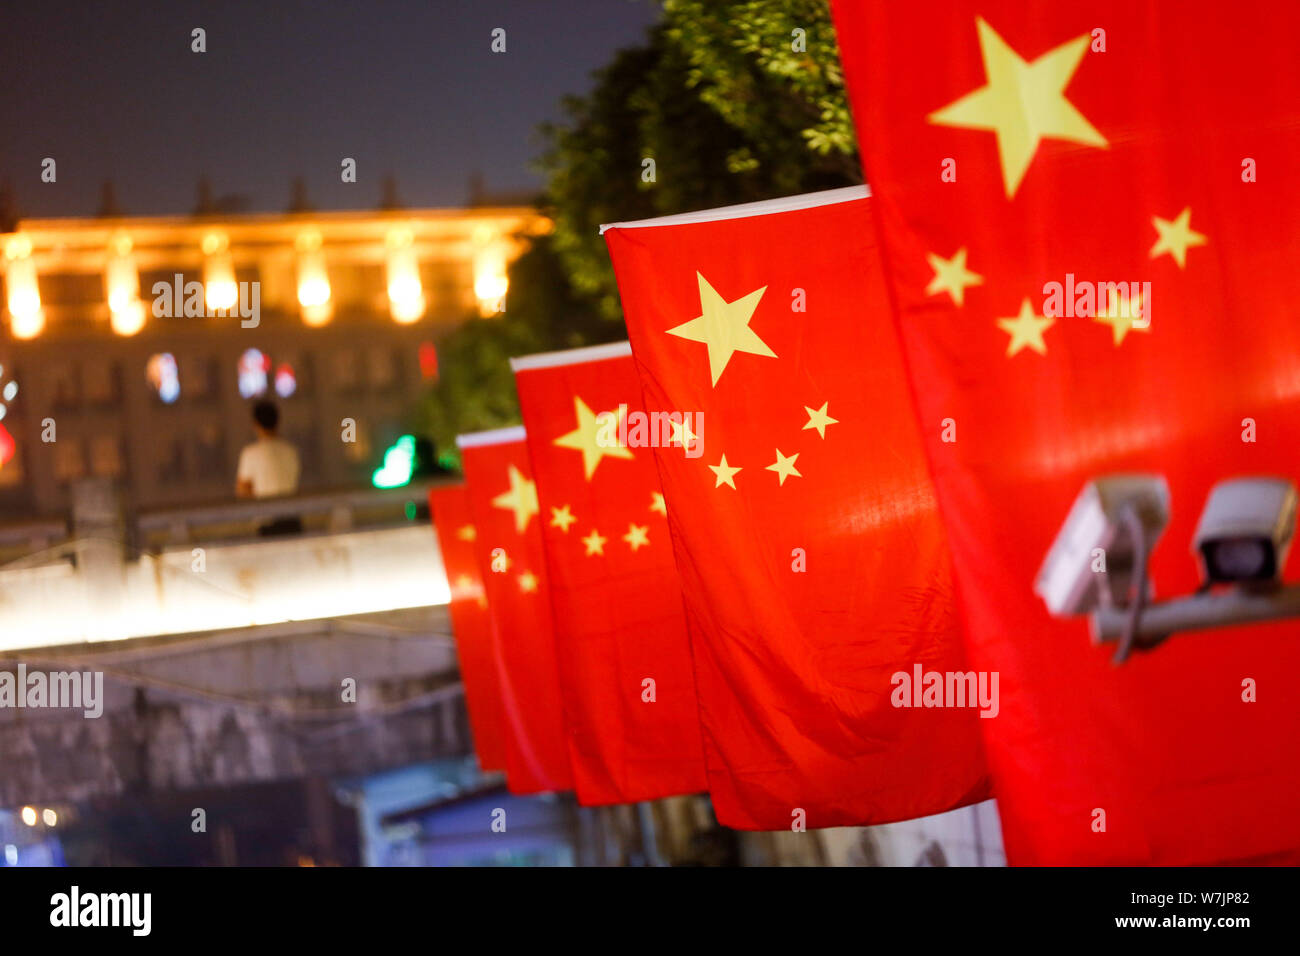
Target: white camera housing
1069, 581
1246, 529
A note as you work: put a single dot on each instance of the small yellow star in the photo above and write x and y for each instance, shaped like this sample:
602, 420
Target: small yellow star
1123, 317
819, 419
561, 518
521, 499
724, 472
951, 276
464, 583
1026, 330
466, 532
595, 543
637, 536
657, 503
724, 327
784, 466
528, 582
1176, 237
1023, 103
596, 437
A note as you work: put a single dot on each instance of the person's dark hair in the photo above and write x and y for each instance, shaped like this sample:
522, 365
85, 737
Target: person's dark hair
267, 415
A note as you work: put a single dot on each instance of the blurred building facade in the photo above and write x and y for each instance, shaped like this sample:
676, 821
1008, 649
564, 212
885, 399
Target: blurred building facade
334, 315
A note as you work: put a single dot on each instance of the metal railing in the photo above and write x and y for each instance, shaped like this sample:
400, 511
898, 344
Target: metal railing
29, 537
320, 512
327, 512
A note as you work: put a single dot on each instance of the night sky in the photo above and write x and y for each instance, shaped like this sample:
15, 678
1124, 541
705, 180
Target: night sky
285, 89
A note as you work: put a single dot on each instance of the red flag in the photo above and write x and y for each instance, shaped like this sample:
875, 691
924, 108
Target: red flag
503, 500
812, 560
1035, 156
471, 621
625, 660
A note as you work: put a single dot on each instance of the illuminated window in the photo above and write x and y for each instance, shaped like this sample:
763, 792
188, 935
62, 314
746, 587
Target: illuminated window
164, 377
254, 368
286, 383
8, 395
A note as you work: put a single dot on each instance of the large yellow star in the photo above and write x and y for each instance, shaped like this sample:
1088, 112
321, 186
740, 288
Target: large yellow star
561, 518
681, 432
951, 276
784, 466
657, 503
593, 437
595, 543
1023, 103
1026, 330
725, 473
1122, 318
1176, 237
818, 419
638, 536
724, 327
521, 499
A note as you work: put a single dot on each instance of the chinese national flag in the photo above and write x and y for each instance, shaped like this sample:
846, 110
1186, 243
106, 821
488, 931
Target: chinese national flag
471, 621
625, 660
1012, 146
812, 560
508, 540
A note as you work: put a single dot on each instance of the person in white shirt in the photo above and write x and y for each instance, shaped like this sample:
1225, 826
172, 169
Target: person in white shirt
269, 467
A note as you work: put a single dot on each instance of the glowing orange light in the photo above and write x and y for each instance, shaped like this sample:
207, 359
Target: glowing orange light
490, 282
26, 318
313, 281
126, 311
405, 293
220, 289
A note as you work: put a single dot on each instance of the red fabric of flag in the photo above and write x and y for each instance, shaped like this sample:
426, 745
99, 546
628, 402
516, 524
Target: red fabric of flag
625, 660
471, 622
508, 541
1023, 158
812, 560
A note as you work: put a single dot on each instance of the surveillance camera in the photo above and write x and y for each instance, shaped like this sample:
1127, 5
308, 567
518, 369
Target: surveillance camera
1245, 530
1091, 562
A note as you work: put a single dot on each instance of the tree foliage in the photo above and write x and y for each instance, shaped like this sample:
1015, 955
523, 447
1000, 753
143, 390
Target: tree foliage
771, 69
731, 104
475, 388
